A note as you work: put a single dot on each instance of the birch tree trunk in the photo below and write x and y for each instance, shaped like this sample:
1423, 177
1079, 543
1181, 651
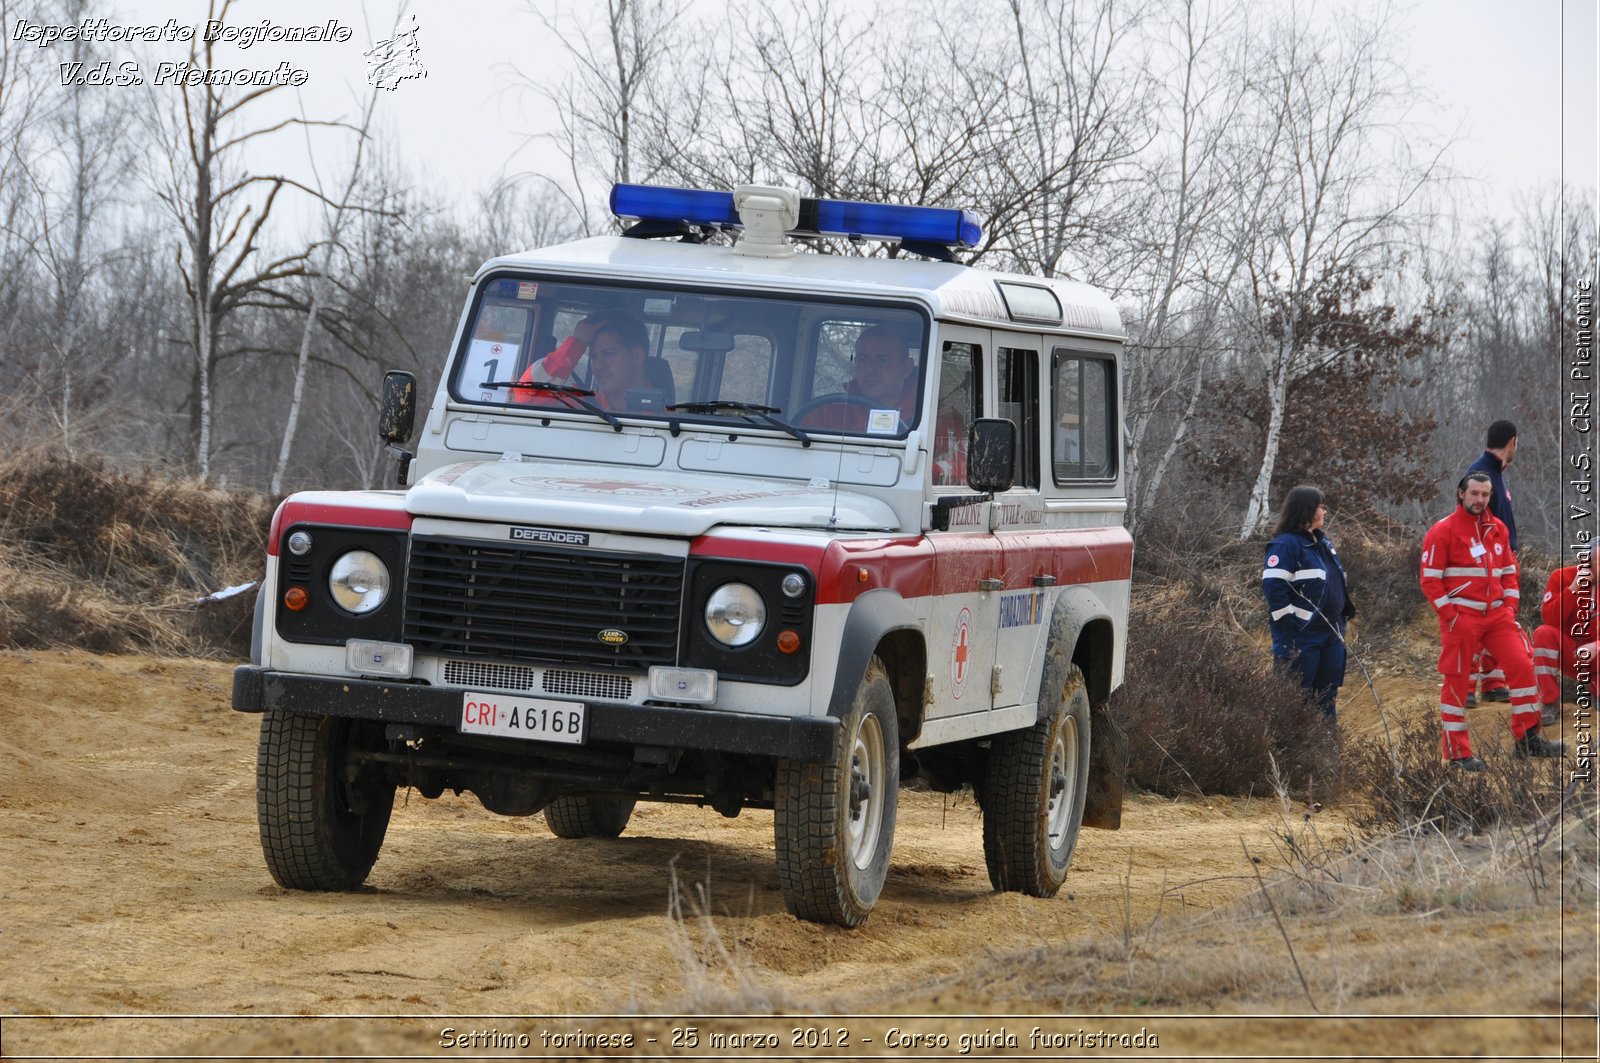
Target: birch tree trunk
314, 281
1258, 509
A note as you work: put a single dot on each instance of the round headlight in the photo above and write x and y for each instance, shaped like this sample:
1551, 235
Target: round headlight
735, 614
359, 581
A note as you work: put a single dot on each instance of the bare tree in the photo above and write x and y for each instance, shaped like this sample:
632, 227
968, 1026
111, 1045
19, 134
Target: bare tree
71, 186
616, 78
1087, 111
1558, 231
1188, 253
221, 210
1337, 157
518, 214
24, 77
336, 215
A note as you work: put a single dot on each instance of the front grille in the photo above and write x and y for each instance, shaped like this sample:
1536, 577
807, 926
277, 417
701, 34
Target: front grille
489, 676
486, 675
588, 685
469, 598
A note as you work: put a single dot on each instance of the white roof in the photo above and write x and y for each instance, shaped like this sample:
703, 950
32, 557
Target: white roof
950, 291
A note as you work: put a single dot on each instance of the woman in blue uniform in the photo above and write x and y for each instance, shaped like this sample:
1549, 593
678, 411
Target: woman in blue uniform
1307, 602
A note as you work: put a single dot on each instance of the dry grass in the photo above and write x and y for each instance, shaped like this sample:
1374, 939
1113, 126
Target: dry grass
114, 561
718, 974
1395, 923
1409, 787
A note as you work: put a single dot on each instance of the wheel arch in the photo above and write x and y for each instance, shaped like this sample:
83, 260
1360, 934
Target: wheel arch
881, 623
1082, 628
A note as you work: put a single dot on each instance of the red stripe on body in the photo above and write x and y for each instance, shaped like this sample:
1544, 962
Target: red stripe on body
946, 564
291, 512
1079, 555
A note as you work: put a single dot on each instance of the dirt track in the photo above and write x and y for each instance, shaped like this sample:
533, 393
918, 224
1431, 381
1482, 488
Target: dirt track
134, 885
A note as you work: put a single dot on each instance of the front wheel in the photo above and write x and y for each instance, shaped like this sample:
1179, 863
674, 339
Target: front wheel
588, 817
834, 822
1034, 788
322, 811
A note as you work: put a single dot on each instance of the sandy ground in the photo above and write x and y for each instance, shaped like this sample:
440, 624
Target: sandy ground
134, 891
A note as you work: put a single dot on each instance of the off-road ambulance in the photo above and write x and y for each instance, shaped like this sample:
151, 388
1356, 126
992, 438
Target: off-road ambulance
696, 516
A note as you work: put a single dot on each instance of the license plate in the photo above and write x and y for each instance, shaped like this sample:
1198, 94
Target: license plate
533, 718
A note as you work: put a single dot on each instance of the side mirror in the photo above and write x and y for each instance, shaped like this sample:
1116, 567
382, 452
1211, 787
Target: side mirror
991, 455
398, 413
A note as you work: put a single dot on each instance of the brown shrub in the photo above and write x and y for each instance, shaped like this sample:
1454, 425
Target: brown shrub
1414, 789
117, 561
1381, 572
1206, 712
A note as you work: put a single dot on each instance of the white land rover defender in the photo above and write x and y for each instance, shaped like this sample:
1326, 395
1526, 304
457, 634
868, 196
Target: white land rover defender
729, 525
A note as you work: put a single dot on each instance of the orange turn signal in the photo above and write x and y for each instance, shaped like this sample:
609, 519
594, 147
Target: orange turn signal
788, 641
861, 574
296, 599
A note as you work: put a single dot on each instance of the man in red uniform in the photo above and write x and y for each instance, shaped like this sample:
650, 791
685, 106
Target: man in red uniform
1566, 639
1469, 575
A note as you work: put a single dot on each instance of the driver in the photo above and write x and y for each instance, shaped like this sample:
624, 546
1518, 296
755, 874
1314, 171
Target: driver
885, 378
617, 345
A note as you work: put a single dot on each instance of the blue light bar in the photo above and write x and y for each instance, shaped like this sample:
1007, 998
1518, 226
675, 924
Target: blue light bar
884, 221
693, 205
942, 226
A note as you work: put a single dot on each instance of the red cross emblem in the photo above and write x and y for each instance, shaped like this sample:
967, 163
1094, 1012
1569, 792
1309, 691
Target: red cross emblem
960, 653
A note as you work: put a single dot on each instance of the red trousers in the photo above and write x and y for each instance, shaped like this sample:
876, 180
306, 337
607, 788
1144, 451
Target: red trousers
1497, 632
1487, 671
1555, 654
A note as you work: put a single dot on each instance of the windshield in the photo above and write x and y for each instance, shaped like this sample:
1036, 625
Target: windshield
795, 364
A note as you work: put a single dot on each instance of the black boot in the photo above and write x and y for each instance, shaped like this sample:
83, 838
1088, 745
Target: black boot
1534, 744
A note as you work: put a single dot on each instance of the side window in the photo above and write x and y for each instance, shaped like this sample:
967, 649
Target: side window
1084, 418
1019, 404
960, 402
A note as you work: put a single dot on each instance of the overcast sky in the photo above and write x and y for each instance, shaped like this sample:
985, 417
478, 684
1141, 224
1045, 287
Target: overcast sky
1516, 86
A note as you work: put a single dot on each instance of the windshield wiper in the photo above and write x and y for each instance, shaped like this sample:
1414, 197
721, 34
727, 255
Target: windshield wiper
581, 395
751, 411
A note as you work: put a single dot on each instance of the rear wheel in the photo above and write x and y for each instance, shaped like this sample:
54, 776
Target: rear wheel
322, 811
1034, 789
834, 822
588, 817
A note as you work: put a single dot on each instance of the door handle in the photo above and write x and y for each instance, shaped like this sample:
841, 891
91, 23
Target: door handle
989, 583
1044, 581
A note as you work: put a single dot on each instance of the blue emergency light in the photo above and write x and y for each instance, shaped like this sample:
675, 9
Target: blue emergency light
658, 203
820, 217
886, 221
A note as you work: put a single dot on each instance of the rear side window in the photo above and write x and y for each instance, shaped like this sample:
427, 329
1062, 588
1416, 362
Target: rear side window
1019, 404
1083, 441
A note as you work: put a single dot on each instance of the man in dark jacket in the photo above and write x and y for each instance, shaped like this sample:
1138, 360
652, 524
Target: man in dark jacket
1500, 447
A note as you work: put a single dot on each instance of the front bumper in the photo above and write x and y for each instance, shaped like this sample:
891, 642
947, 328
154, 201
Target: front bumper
804, 738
